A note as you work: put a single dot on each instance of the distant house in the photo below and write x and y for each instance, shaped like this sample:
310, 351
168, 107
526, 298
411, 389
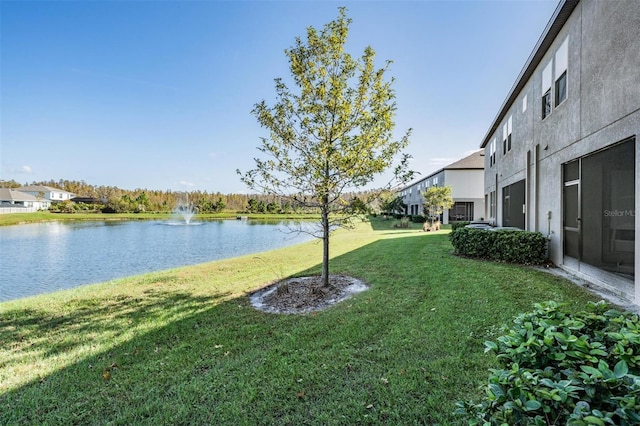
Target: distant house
13, 201
465, 177
54, 195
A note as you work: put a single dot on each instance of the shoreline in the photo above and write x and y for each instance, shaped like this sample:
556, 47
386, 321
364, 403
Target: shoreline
43, 217
230, 256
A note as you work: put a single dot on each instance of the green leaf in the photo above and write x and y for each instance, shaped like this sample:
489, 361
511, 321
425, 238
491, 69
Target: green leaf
532, 405
604, 369
558, 356
490, 346
496, 390
621, 369
593, 421
590, 370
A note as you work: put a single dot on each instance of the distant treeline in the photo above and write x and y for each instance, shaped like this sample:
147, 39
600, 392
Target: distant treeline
111, 199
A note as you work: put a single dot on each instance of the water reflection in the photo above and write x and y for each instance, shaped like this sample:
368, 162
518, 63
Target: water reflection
43, 257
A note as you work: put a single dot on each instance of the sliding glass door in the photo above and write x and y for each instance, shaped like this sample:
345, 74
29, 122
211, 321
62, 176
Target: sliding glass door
599, 210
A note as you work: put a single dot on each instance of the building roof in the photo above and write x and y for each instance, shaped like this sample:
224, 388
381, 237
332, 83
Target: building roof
474, 161
555, 24
8, 194
42, 188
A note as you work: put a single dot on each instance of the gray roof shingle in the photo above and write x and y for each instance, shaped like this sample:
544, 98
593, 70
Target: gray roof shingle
8, 194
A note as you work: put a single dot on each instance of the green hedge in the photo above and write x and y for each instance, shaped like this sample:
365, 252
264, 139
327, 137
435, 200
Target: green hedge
559, 368
418, 219
503, 245
456, 225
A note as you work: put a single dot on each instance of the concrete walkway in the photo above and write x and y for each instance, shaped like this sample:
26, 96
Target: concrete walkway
609, 296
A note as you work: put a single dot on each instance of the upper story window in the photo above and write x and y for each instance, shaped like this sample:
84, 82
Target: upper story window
435, 181
555, 74
506, 135
492, 152
561, 65
524, 103
546, 90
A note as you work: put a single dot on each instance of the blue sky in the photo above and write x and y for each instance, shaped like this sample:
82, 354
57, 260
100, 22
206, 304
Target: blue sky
158, 94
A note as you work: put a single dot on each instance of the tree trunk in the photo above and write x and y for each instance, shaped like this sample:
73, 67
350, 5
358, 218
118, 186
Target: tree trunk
325, 247
325, 226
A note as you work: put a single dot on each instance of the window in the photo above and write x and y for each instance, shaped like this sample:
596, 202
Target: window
461, 211
560, 72
492, 152
546, 104
546, 91
492, 205
509, 130
524, 103
506, 135
561, 88
435, 181
504, 139
555, 72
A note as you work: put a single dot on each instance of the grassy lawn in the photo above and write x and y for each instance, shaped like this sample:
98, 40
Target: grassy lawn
184, 346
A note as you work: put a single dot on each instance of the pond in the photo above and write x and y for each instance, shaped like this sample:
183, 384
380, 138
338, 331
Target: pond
44, 257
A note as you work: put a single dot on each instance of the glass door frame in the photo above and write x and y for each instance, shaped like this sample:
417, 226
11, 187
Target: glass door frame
567, 259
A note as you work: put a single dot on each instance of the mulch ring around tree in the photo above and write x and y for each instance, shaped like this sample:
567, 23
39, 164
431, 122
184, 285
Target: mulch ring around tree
303, 295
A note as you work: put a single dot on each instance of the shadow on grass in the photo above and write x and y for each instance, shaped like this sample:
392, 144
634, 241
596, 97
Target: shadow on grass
379, 223
392, 354
50, 334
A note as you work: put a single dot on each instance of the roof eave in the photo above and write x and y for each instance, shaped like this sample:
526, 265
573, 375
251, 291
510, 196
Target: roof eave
555, 24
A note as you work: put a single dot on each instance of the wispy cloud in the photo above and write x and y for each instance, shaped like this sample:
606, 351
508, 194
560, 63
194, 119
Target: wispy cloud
187, 183
22, 170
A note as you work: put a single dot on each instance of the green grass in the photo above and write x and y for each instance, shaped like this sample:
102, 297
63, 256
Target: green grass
184, 346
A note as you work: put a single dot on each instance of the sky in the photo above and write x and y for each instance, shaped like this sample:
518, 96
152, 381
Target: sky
158, 94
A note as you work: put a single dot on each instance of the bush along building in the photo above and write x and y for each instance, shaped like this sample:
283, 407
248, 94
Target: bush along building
465, 179
562, 155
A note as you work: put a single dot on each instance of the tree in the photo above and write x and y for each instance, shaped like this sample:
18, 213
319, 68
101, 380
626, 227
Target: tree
394, 204
333, 134
436, 200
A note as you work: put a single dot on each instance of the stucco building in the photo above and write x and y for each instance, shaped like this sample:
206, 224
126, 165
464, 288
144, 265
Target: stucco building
465, 178
562, 156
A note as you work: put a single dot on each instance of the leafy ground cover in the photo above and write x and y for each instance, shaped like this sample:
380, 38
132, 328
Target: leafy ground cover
185, 346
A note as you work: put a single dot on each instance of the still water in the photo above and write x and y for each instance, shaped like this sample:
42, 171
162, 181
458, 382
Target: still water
45, 257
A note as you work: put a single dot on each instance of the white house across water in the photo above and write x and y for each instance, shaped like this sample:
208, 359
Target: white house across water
32, 198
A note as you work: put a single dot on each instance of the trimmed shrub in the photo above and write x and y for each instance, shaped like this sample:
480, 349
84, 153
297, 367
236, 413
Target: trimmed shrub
522, 247
519, 247
456, 225
563, 369
473, 242
418, 219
